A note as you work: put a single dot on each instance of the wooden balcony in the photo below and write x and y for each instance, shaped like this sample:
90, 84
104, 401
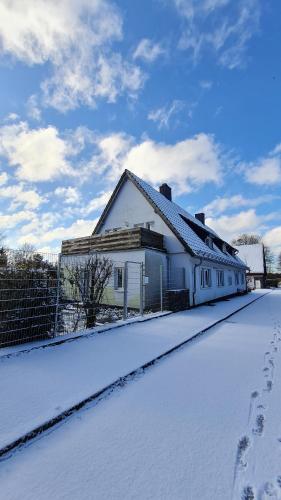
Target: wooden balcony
124, 239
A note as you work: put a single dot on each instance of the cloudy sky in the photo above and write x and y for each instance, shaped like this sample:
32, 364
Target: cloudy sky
182, 91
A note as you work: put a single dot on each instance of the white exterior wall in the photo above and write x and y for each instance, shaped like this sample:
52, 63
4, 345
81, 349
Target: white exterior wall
130, 208
134, 259
214, 292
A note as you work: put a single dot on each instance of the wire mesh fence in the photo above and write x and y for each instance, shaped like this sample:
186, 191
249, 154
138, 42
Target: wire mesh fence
47, 295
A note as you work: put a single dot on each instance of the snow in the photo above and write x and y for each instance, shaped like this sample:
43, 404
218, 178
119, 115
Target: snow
174, 432
41, 384
252, 255
172, 212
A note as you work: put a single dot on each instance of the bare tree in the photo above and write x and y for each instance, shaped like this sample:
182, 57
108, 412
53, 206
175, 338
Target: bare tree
252, 239
88, 280
3, 251
269, 259
247, 239
279, 262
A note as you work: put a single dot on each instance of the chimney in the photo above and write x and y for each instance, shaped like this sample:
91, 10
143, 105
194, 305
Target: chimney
201, 217
166, 191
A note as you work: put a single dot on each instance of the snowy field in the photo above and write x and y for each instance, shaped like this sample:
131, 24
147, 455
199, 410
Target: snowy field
203, 424
43, 383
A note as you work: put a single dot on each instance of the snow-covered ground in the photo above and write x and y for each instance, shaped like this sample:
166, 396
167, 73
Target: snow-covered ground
38, 385
203, 424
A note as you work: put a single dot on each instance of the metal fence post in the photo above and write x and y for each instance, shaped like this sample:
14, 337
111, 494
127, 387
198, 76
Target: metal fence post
161, 287
57, 295
125, 305
141, 288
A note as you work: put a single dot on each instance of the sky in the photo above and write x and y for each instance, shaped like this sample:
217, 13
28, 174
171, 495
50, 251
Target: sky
186, 92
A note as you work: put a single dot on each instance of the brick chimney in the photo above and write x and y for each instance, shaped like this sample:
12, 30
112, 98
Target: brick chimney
201, 217
166, 191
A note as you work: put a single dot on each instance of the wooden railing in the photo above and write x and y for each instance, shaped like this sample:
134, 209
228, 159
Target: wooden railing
124, 239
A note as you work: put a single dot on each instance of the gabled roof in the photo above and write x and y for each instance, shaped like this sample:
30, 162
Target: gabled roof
253, 256
178, 220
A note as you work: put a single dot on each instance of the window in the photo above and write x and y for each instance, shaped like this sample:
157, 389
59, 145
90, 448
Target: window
242, 278
229, 279
224, 248
220, 278
206, 278
149, 224
236, 278
119, 278
209, 242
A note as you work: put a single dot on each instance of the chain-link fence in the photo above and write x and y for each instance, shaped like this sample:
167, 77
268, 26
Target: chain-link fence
47, 295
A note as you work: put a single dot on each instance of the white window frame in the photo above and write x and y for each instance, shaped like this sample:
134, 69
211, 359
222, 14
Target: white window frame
220, 277
206, 277
149, 224
118, 272
230, 279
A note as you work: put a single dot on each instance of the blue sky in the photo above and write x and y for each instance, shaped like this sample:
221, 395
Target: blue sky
179, 91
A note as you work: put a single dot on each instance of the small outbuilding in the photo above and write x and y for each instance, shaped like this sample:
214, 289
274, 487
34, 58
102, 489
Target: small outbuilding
254, 258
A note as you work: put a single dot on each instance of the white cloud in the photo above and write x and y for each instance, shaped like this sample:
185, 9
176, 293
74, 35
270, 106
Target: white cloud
221, 204
73, 84
3, 178
266, 172
148, 51
206, 84
215, 24
75, 37
247, 221
186, 164
70, 195
79, 228
163, 115
97, 203
33, 109
230, 226
11, 117
30, 198
9, 221
38, 154
272, 238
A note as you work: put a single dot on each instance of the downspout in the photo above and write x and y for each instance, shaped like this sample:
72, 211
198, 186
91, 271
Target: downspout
194, 279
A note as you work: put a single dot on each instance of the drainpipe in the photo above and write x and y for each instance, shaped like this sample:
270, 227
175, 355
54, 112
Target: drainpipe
194, 279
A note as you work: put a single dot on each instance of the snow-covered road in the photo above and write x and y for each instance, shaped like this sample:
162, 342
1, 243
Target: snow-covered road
41, 384
203, 424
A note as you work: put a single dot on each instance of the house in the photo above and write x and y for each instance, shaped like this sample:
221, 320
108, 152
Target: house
157, 246
254, 258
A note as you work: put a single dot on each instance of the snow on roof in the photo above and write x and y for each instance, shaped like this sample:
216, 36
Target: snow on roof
253, 257
173, 213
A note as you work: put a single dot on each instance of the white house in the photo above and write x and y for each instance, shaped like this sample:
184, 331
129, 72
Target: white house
253, 256
143, 227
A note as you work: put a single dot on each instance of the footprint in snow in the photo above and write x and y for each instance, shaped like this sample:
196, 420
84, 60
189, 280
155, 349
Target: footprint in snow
242, 447
278, 480
254, 395
258, 429
248, 493
269, 385
269, 492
